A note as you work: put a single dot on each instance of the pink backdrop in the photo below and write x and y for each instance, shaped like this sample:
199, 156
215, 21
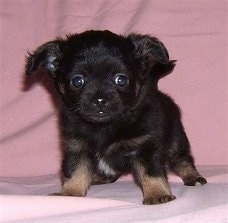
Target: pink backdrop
194, 31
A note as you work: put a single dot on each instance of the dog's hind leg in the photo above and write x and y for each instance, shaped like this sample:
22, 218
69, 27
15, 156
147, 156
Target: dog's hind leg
100, 179
188, 173
181, 162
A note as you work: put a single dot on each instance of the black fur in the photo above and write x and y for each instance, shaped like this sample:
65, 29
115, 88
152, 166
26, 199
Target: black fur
116, 129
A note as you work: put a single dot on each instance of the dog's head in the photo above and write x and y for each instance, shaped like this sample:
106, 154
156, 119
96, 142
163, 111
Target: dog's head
100, 75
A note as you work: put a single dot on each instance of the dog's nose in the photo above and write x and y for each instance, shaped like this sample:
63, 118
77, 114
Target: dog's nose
100, 102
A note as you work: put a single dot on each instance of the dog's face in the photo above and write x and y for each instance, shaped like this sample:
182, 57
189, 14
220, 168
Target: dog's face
100, 75
98, 80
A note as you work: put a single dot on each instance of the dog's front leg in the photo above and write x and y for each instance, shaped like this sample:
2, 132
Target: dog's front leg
76, 169
79, 181
153, 182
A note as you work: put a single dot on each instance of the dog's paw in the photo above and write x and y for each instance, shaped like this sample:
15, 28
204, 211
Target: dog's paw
158, 199
55, 194
195, 181
68, 193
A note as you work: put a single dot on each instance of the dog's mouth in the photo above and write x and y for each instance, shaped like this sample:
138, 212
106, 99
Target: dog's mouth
100, 117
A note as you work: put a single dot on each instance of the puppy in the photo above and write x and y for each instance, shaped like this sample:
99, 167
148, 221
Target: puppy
114, 120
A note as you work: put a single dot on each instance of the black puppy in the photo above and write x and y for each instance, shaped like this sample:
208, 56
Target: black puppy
114, 120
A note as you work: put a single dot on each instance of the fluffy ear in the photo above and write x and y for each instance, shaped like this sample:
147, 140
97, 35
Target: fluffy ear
46, 57
152, 56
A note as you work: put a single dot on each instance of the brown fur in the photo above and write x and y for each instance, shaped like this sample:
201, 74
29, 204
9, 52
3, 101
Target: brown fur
155, 189
79, 182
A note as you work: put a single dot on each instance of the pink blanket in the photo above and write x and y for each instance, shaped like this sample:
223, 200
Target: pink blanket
117, 202
194, 31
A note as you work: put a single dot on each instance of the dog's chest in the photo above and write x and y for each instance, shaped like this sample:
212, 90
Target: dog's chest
117, 158
115, 164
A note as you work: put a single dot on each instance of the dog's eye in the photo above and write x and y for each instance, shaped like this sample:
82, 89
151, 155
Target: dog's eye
121, 80
77, 81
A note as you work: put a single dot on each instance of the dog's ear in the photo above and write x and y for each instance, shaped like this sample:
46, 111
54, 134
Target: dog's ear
151, 56
46, 57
